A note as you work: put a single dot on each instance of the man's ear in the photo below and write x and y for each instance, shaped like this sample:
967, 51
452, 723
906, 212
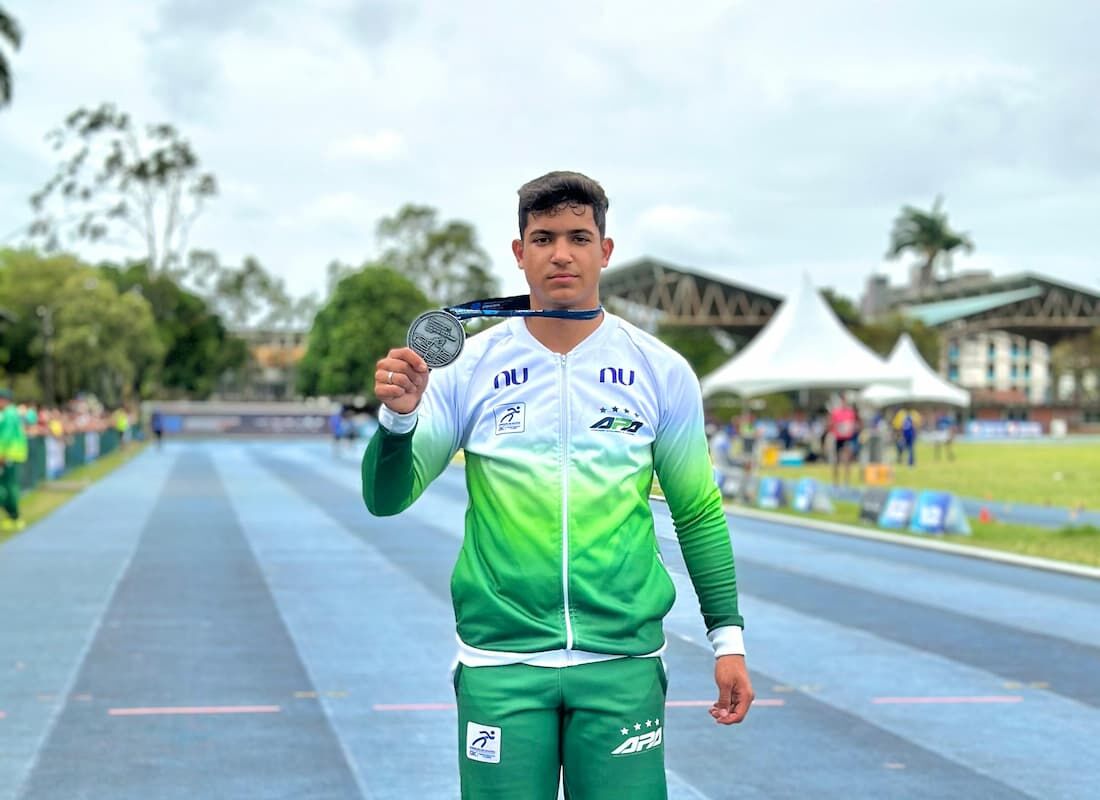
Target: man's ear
607, 245
517, 251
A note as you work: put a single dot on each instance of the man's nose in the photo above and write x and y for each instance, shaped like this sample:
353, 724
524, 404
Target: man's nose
562, 253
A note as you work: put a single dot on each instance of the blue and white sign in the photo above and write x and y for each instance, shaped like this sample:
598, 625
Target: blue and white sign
770, 493
898, 509
1003, 429
55, 457
804, 493
91, 446
939, 513
809, 495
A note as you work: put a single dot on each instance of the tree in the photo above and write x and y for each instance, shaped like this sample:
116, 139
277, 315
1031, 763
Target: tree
369, 313
115, 182
248, 295
198, 350
13, 37
73, 330
28, 292
444, 260
845, 309
103, 339
1078, 357
700, 346
882, 334
928, 235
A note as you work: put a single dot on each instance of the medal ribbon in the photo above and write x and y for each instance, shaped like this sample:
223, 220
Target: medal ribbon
518, 306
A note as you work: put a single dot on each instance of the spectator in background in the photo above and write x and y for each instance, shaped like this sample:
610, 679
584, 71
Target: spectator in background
844, 430
122, 425
746, 430
786, 439
13, 452
944, 436
157, 424
906, 424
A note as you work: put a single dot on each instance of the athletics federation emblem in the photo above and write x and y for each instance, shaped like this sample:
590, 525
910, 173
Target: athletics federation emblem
510, 417
482, 743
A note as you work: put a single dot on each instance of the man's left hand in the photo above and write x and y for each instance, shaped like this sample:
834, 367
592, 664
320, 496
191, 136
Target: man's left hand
735, 693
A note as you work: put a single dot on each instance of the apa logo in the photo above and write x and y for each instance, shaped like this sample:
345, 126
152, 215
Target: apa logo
510, 377
618, 421
640, 742
617, 375
617, 425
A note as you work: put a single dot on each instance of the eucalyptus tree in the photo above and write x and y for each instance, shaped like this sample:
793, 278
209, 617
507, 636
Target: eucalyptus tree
118, 182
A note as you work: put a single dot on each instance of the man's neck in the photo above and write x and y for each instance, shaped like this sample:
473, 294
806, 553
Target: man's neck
562, 335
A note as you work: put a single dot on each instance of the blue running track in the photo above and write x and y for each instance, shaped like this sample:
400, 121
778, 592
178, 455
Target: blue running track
224, 620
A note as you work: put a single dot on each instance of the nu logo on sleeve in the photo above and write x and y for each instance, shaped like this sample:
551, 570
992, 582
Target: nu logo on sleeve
482, 743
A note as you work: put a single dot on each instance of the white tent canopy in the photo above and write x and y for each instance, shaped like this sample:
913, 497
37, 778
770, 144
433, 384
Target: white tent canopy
927, 385
803, 346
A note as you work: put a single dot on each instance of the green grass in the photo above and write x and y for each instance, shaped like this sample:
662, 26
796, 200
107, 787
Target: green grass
1038, 473
1078, 545
48, 496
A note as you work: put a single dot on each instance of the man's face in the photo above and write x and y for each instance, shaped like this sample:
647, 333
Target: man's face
561, 255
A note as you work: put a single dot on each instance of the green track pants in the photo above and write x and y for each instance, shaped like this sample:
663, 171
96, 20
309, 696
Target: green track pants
9, 488
599, 726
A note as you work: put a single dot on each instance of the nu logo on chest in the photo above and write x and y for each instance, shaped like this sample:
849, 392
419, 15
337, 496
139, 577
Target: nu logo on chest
510, 377
617, 375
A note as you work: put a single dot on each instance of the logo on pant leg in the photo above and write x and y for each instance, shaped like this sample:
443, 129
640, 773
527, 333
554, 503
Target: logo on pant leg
646, 736
482, 743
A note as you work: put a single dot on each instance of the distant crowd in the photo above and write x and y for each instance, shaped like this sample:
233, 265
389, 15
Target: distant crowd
837, 434
77, 416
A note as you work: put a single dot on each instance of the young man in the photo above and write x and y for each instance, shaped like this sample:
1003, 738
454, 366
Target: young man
560, 590
13, 452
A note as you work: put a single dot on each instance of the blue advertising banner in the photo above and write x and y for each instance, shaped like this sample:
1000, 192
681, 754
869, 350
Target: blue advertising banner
898, 509
938, 513
930, 513
804, 493
1003, 429
770, 493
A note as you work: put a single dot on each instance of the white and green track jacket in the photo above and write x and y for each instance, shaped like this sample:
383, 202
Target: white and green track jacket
559, 553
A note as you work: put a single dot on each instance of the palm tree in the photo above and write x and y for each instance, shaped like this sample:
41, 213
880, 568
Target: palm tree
927, 234
10, 33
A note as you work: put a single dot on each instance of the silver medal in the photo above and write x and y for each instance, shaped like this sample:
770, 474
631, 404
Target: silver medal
437, 337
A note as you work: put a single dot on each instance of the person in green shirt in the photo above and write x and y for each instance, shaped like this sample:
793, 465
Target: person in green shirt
13, 452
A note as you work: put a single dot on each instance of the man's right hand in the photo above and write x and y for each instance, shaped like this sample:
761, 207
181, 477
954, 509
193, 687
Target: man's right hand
400, 380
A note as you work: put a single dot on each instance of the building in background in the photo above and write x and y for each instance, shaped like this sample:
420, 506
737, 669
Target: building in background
998, 334
272, 370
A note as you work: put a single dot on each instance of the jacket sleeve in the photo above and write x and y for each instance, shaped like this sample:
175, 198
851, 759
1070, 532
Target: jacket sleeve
682, 462
408, 452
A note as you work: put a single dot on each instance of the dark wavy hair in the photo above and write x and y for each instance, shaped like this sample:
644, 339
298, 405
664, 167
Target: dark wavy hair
555, 191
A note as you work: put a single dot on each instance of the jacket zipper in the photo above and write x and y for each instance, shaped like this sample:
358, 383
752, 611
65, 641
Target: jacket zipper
563, 449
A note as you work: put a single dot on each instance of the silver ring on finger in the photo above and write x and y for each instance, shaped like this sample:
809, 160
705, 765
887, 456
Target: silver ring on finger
389, 378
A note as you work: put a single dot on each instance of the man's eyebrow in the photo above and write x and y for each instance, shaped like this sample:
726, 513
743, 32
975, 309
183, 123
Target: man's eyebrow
545, 232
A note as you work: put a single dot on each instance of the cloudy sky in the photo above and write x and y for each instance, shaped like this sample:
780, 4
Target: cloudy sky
757, 139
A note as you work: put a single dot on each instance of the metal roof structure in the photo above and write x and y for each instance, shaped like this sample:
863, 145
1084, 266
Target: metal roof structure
652, 289
1027, 304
